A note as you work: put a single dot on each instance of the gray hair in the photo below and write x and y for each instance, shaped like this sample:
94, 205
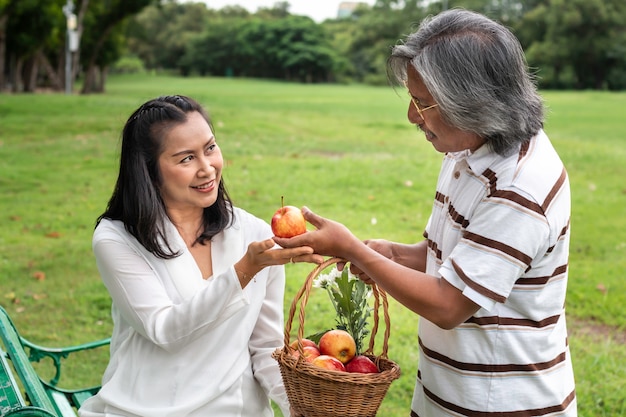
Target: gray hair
476, 71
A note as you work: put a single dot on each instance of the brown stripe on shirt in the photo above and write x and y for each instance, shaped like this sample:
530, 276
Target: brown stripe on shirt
457, 217
523, 150
561, 236
499, 246
518, 413
492, 178
522, 201
555, 190
493, 368
541, 280
517, 199
513, 322
432, 245
473, 285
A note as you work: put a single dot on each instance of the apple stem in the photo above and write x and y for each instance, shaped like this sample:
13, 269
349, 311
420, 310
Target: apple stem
282, 201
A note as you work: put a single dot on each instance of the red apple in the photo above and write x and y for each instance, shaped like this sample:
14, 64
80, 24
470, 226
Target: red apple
305, 342
362, 364
339, 344
329, 362
288, 221
309, 352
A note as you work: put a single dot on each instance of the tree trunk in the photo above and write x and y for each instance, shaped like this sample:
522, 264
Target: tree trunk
600, 77
31, 70
557, 75
3, 47
55, 83
16, 82
90, 71
79, 31
60, 68
89, 79
103, 79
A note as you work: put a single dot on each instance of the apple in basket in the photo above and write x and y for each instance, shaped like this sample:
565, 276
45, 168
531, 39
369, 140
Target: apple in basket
288, 221
339, 344
305, 342
329, 362
309, 353
362, 364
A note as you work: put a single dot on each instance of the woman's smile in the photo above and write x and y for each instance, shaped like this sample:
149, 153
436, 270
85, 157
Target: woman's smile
206, 187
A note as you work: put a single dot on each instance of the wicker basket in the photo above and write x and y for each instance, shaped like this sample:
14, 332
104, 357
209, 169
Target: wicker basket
318, 392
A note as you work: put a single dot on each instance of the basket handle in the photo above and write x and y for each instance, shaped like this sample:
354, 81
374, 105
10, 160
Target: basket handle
303, 297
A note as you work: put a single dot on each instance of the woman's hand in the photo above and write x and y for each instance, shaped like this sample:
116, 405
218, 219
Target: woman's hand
265, 253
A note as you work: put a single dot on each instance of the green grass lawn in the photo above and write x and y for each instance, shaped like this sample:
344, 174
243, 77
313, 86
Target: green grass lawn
347, 152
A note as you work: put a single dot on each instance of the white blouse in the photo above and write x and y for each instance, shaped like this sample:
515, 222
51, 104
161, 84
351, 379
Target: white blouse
184, 346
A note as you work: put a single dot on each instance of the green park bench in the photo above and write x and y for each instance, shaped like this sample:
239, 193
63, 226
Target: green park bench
23, 392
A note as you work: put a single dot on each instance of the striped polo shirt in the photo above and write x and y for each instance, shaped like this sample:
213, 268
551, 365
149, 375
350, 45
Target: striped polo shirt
499, 232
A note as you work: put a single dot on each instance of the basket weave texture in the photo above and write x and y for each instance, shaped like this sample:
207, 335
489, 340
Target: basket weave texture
318, 392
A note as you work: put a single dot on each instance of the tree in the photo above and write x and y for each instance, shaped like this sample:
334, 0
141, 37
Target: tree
580, 36
161, 35
80, 27
216, 51
304, 50
574, 43
4, 18
291, 48
191, 38
102, 19
28, 32
375, 32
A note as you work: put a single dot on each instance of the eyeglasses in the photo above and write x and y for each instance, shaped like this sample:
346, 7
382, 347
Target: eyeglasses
416, 103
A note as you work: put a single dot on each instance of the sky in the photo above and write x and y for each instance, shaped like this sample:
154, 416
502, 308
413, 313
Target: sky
318, 10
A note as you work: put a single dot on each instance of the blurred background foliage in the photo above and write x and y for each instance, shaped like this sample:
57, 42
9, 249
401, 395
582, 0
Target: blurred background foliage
570, 44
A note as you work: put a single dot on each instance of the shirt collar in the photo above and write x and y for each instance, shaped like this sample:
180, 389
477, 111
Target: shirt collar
478, 161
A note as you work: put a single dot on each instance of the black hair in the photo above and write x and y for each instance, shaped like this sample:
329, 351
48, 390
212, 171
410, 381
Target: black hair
136, 199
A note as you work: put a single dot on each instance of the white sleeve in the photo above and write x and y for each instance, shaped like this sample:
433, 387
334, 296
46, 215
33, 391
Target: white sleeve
142, 298
267, 336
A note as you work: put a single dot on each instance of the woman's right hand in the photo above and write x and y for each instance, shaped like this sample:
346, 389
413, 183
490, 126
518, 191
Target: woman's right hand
265, 253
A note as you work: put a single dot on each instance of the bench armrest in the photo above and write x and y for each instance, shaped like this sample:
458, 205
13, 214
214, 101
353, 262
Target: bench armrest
37, 352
